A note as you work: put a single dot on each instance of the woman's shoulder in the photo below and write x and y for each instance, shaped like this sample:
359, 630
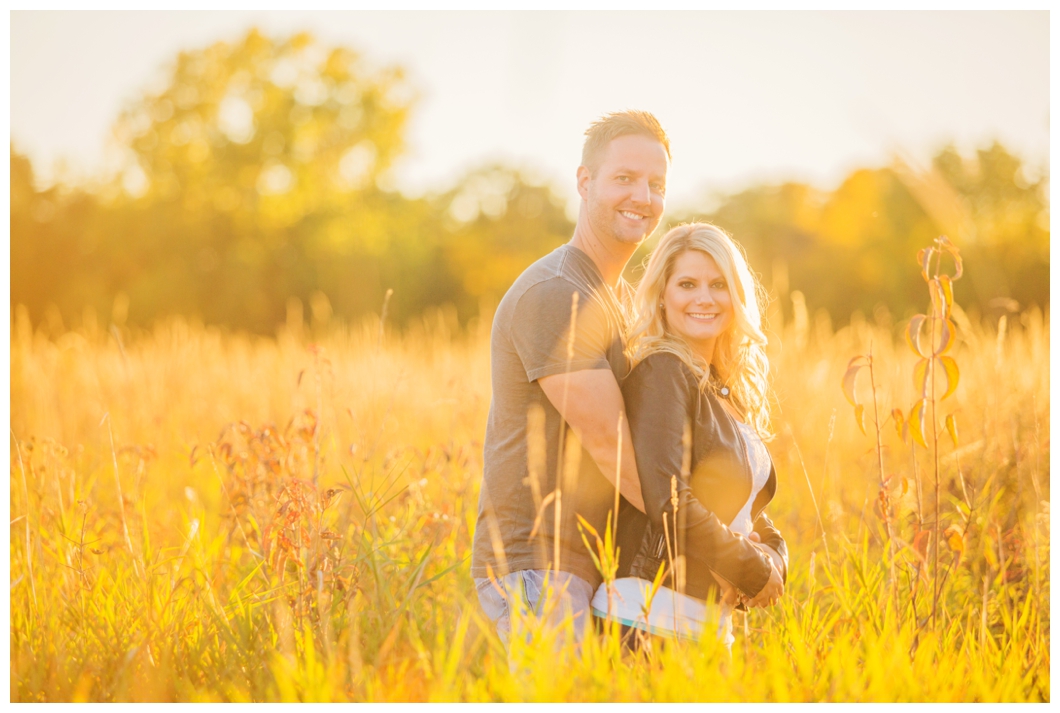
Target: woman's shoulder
664, 362
658, 368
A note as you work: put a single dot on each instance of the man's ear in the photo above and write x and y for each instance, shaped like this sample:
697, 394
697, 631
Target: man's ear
583, 181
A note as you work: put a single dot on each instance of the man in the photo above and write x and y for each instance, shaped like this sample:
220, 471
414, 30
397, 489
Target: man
557, 359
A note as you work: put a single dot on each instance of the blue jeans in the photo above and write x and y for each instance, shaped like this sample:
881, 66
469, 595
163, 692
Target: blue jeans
570, 594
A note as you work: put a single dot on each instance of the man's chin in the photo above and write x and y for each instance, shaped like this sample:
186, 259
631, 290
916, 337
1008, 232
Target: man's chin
632, 238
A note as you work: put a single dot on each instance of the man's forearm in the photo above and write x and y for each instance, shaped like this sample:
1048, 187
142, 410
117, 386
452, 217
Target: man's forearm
604, 452
591, 402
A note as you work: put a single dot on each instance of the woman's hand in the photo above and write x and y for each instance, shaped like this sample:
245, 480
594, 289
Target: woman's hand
774, 556
774, 588
770, 593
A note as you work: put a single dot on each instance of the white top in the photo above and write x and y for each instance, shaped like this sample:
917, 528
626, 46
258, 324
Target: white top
759, 458
673, 613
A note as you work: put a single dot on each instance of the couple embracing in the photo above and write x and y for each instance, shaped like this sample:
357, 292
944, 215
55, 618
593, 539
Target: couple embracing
674, 372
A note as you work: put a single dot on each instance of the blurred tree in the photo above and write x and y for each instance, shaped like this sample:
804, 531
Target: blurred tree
260, 173
254, 176
497, 222
54, 235
1005, 226
854, 248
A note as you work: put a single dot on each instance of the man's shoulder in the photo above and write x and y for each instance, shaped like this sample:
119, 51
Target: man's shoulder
555, 275
547, 267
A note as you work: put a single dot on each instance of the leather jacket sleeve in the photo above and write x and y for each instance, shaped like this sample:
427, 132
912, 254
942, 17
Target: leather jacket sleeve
771, 536
661, 396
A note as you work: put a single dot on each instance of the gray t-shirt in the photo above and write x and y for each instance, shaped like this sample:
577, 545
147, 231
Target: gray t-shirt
531, 339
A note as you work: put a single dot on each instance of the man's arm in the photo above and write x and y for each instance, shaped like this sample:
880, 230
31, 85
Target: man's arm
591, 405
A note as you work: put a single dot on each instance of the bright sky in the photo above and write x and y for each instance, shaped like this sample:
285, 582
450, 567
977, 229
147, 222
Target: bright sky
744, 96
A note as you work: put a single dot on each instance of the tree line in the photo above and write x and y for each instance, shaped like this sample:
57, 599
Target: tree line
262, 173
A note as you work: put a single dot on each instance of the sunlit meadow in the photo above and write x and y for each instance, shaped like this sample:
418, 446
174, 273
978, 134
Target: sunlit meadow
200, 515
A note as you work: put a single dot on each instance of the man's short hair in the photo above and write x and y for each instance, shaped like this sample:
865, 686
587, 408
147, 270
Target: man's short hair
620, 123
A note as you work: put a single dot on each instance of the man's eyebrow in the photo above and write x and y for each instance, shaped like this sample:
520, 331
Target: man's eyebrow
635, 172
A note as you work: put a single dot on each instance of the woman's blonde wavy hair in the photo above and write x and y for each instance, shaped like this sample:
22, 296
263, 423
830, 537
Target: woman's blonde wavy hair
739, 361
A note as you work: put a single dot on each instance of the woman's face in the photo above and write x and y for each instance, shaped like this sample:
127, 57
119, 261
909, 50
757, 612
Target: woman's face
697, 302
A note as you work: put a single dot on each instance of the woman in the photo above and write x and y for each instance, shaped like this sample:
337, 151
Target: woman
697, 402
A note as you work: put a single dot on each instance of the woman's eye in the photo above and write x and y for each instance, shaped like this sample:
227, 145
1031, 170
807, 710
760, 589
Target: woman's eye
720, 286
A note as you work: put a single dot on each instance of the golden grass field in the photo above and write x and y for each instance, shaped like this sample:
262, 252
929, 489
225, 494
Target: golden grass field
167, 543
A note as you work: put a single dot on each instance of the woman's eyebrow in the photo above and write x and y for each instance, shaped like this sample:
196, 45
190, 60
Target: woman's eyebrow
680, 277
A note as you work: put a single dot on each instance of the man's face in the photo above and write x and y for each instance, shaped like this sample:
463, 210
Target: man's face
624, 199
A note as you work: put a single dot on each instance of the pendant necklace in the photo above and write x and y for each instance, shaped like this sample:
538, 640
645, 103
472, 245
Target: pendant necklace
720, 389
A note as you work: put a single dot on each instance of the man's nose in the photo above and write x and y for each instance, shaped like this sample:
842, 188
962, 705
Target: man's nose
642, 192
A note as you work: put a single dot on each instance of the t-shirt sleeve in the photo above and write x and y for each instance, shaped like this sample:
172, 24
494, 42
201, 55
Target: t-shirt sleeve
541, 330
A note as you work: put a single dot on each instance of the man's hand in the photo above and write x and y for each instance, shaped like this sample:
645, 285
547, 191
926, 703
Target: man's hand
591, 402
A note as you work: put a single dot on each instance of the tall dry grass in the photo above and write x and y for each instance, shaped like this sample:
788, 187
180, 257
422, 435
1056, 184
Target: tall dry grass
205, 516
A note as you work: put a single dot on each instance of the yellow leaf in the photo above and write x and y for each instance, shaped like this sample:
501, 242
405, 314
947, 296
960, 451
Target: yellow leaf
923, 256
954, 538
938, 300
949, 333
850, 379
920, 377
899, 423
916, 422
947, 293
920, 543
585, 523
951, 426
859, 416
540, 513
944, 243
912, 334
656, 583
953, 375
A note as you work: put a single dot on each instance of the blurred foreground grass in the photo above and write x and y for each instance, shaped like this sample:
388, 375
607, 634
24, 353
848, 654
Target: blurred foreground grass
211, 569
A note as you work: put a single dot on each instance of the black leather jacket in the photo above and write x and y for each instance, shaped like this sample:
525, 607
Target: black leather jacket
661, 395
